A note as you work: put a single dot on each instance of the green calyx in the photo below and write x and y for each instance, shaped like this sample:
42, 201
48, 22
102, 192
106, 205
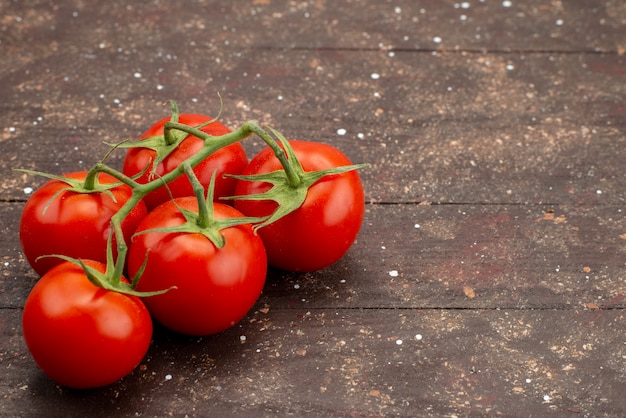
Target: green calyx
110, 280
164, 145
89, 185
203, 222
290, 185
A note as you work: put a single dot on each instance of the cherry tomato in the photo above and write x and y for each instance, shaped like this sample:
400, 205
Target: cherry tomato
74, 224
215, 287
322, 230
80, 335
231, 159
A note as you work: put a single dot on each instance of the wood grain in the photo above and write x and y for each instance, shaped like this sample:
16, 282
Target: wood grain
489, 275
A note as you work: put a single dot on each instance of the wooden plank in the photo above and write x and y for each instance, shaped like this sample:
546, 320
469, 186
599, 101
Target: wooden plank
457, 128
440, 256
346, 363
581, 25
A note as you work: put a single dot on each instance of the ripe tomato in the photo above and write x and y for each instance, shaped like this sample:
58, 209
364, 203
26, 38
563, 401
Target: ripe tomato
323, 228
80, 335
74, 224
215, 287
231, 159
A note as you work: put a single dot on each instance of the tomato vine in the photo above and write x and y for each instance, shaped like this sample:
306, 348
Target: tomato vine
195, 264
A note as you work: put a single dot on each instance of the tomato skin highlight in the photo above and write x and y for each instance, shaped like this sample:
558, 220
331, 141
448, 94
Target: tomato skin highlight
215, 287
80, 335
322, 230
73, 224
231, 159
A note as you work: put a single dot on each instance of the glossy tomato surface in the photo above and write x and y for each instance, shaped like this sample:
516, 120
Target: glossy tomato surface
322, 230
80, 335
231, 159
73, 224
215, 287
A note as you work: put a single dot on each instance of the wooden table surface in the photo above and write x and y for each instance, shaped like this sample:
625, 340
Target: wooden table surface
489, 277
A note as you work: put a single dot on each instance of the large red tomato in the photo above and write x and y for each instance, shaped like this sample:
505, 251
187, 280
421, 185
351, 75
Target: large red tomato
71, 223
322, 230
216, 287
231, 159
80, 335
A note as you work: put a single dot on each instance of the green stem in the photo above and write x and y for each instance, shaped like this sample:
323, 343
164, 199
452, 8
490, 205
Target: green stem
91, 178
198, 190
293, 178
167, 132
103, 168
122, 247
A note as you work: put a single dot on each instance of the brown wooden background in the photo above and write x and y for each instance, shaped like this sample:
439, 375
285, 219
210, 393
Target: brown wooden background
490, 274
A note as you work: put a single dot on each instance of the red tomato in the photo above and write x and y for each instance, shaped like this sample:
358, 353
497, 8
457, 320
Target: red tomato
319, 232
231, 159
73, 224
215, 287
80, 335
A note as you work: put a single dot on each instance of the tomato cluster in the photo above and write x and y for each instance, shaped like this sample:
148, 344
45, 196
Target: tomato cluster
192, 223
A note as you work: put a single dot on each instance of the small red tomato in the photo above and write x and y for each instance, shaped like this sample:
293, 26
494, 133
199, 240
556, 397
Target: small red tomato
80, 335
231, 159
215, 287
71, 223
323, 228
